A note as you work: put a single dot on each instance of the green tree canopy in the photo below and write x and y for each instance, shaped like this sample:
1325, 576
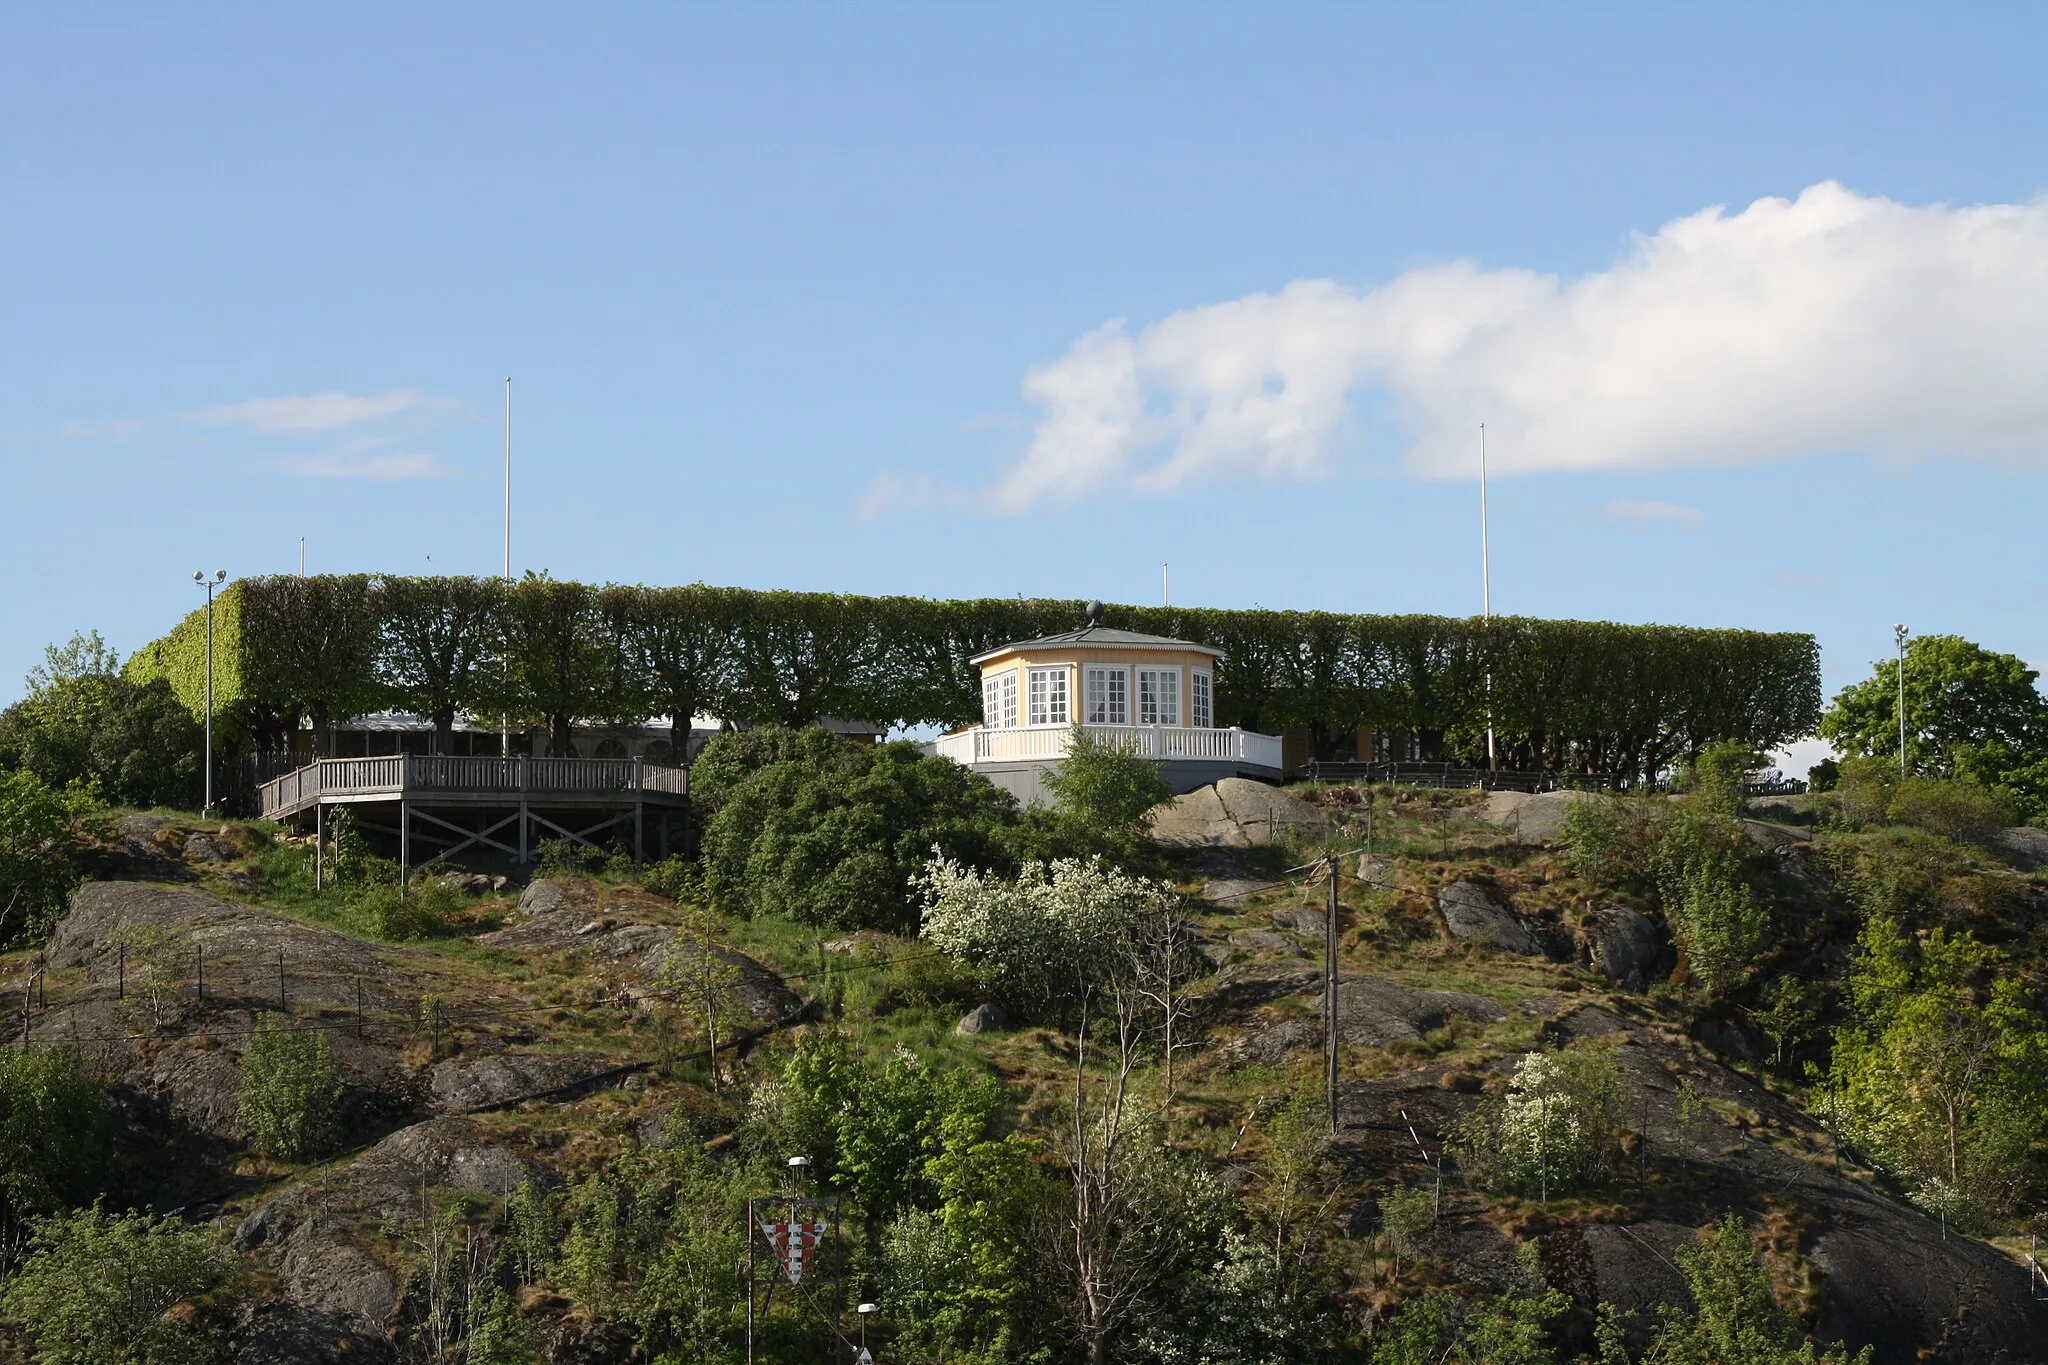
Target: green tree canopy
803, 824
1969, 713
83, 723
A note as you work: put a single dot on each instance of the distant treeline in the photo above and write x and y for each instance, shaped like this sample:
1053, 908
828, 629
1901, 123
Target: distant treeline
1562, 695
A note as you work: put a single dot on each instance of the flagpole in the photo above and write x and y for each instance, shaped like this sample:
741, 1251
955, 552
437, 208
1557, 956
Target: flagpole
505, 720
1486, 590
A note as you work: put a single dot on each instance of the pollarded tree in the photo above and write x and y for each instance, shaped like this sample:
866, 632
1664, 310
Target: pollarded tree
311, 644
676, 652
562, 659
443, 646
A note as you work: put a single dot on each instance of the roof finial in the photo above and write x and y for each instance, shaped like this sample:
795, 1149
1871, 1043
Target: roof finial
1095, 613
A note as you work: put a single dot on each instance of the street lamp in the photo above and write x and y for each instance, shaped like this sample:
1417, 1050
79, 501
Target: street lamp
1899, 634
220, 576
863, 1310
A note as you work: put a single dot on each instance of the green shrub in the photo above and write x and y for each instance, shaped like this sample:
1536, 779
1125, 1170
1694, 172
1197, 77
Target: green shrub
565, 857
290, 1094
422, 912
96, 1288
54, 1146
805, 825
1105, 788
673, 877
1407, 1218
1733, 1318
1958, 809
1553, 1129
1609, 840
37, 870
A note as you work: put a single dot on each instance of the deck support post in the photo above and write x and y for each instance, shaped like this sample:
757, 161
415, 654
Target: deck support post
319, 841
639, 815
404, 846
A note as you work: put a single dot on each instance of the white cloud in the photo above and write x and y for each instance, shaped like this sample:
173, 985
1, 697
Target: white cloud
1651, 513
103, 429
314, 411
390, 466
1830, 322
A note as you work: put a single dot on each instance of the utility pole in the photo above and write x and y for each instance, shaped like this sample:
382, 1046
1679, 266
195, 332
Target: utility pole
1165, 583
1899, 634
1330, 995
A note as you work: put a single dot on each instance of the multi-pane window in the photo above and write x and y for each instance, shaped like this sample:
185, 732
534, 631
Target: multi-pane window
999, 700
1046, 697
1106, 696
1159, 696
1201, 703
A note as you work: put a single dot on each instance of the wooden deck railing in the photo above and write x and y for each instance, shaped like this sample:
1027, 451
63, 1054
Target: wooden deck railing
424, 775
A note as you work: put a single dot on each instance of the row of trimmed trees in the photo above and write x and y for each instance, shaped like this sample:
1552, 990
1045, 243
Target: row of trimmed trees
1562, 695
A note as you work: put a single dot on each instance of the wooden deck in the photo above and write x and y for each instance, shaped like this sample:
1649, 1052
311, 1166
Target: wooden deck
461, 803
450, 781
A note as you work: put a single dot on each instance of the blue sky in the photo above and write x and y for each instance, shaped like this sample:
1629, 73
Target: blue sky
822, 297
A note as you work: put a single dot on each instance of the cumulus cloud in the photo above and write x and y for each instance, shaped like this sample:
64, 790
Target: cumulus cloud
1831, 322
359, 466
1650, 513
314, 411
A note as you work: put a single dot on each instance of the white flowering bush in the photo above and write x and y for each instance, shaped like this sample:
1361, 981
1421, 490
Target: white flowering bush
1037, 941
1552, 1129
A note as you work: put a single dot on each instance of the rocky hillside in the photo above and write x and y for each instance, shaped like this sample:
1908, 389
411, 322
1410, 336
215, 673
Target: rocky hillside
532, 1039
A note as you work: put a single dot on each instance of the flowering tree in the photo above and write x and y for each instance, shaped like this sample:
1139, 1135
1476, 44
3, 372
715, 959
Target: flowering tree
1043, 940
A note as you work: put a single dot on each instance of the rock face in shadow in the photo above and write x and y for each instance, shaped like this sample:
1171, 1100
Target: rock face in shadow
1621, 943
1473, 911
317, 1239
1233, 813
1891, 1281
173, 1061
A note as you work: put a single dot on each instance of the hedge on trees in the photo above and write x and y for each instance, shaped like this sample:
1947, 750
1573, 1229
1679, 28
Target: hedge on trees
1560, 695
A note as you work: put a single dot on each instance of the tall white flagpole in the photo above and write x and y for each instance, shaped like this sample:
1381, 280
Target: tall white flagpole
1486, 589
505, 721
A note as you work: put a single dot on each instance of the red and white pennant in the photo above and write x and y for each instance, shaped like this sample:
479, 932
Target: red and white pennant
794, 1244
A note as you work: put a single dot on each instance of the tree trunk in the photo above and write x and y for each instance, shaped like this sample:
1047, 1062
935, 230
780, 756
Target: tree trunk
323, 733
444, 730
558, 736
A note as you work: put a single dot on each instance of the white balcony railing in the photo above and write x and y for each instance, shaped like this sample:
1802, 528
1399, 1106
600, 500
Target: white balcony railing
983, 745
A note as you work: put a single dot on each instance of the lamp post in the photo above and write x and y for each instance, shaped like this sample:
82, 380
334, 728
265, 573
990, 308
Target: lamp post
220, 576
1899, 634
862, 1311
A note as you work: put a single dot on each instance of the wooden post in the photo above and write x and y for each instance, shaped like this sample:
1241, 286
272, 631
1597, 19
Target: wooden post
1330, 997
319, 840
404, 846
639, 813
522, 810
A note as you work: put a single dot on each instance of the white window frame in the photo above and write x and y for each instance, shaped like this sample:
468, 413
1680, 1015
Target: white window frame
1048, 699
999, 700
1113, 705
1157, 704
1201, 699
